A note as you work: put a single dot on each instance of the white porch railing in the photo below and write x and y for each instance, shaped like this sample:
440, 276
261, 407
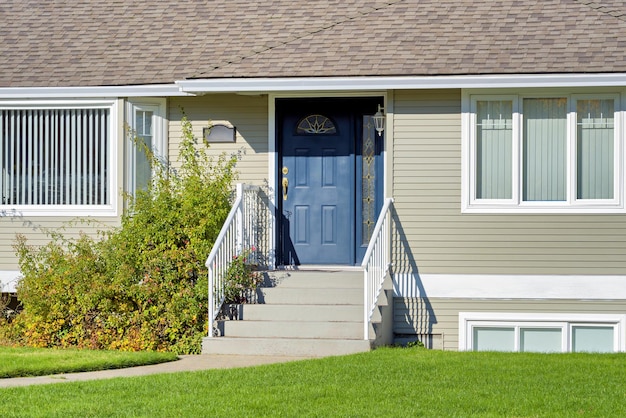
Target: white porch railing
376, 263
239, 233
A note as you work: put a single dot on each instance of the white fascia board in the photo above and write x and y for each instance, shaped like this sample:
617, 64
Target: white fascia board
156, 90
263, 85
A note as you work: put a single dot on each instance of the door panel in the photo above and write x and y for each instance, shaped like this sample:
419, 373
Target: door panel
322, 194
320, 212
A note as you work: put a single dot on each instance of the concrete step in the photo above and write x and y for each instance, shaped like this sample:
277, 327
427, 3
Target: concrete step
304, 313
312, 296
283, 346
314, 279
292, 329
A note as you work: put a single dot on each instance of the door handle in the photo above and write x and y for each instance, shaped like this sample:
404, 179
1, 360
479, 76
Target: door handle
285, 187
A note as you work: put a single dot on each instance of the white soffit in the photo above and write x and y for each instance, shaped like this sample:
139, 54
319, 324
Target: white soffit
156, 90
222, 85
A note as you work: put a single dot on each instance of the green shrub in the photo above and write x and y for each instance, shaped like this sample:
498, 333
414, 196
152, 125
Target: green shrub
242, 279
142, 286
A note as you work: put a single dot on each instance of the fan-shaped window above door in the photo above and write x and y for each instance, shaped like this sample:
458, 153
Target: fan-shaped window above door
316, 125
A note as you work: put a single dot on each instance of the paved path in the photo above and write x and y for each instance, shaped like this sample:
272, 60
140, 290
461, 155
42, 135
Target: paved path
186, 363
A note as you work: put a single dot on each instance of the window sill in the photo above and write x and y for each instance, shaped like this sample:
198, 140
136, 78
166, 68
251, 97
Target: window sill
58, 211
535, 209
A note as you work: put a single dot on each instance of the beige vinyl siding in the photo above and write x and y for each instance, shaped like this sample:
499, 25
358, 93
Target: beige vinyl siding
432, 234
34, 227
440, 317
247, 113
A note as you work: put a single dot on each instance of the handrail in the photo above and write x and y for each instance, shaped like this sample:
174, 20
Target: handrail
229, 243
376, 264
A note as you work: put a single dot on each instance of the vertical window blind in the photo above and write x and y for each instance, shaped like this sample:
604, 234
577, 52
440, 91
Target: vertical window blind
145, 136
595, 149
54, 156
494, 147
545, 149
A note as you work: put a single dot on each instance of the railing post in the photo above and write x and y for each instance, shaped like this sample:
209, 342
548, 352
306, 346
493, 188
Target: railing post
376, 263
211, 301
240, 219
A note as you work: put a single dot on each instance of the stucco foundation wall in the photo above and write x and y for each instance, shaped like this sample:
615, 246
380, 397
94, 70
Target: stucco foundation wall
437, 319
247, 113
431, 235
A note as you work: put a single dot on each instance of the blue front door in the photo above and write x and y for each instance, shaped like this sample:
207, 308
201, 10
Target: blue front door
317, 179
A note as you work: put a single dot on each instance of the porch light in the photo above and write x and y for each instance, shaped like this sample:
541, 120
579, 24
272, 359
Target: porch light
379, 120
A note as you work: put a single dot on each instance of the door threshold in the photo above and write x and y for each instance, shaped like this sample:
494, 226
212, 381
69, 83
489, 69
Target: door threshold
320, 267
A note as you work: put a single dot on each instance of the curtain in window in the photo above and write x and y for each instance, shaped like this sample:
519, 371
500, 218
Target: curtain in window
595, 149
54, 156
494, 139
545, 150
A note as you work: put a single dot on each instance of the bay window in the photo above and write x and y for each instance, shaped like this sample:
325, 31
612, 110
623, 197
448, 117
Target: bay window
540, 153
58, 158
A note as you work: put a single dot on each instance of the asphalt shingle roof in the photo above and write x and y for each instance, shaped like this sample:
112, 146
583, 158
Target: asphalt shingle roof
93, 43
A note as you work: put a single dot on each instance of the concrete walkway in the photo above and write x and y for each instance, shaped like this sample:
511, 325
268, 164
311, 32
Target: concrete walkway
184, 364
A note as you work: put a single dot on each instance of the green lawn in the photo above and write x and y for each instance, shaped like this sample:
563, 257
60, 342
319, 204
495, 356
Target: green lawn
385, 382
21, 361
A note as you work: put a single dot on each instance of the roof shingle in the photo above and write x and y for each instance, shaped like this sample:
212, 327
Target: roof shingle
95, 43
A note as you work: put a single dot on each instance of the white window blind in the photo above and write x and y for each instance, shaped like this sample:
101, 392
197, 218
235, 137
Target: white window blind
595, 149
54, 156
144, 131
545, 149
532, 153
494, 148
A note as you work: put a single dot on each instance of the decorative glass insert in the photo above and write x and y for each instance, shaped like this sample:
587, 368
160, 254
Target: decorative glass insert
368, 180
316, 125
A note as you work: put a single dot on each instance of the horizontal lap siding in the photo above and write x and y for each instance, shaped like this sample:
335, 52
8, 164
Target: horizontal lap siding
247, 113
433, 236
33, 229
440, 317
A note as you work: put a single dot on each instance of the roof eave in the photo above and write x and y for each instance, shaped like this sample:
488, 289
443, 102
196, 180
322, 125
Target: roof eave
152, 90
329, 84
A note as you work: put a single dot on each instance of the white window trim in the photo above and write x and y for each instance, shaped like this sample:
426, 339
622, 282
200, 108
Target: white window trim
565, 321
469, 204
159, 139
110, 209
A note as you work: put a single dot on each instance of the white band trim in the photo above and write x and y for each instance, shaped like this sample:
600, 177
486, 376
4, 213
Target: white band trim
8, 280
510, 286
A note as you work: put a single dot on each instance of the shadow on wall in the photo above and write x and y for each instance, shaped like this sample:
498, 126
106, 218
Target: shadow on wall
414, 316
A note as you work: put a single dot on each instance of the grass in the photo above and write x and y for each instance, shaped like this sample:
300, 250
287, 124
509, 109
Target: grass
385, 382
21, 361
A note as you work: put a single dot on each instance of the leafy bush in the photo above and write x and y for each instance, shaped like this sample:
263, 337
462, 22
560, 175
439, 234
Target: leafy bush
241, 279
142, 286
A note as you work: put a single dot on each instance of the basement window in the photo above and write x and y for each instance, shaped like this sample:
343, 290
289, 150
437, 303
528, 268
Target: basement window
544, 333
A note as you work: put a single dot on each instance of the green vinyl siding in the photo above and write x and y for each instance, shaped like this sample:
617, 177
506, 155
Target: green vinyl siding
431, 235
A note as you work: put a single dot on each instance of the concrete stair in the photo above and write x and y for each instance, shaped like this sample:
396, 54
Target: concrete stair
300, 313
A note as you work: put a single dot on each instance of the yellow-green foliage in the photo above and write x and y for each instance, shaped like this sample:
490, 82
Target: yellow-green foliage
142, 286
